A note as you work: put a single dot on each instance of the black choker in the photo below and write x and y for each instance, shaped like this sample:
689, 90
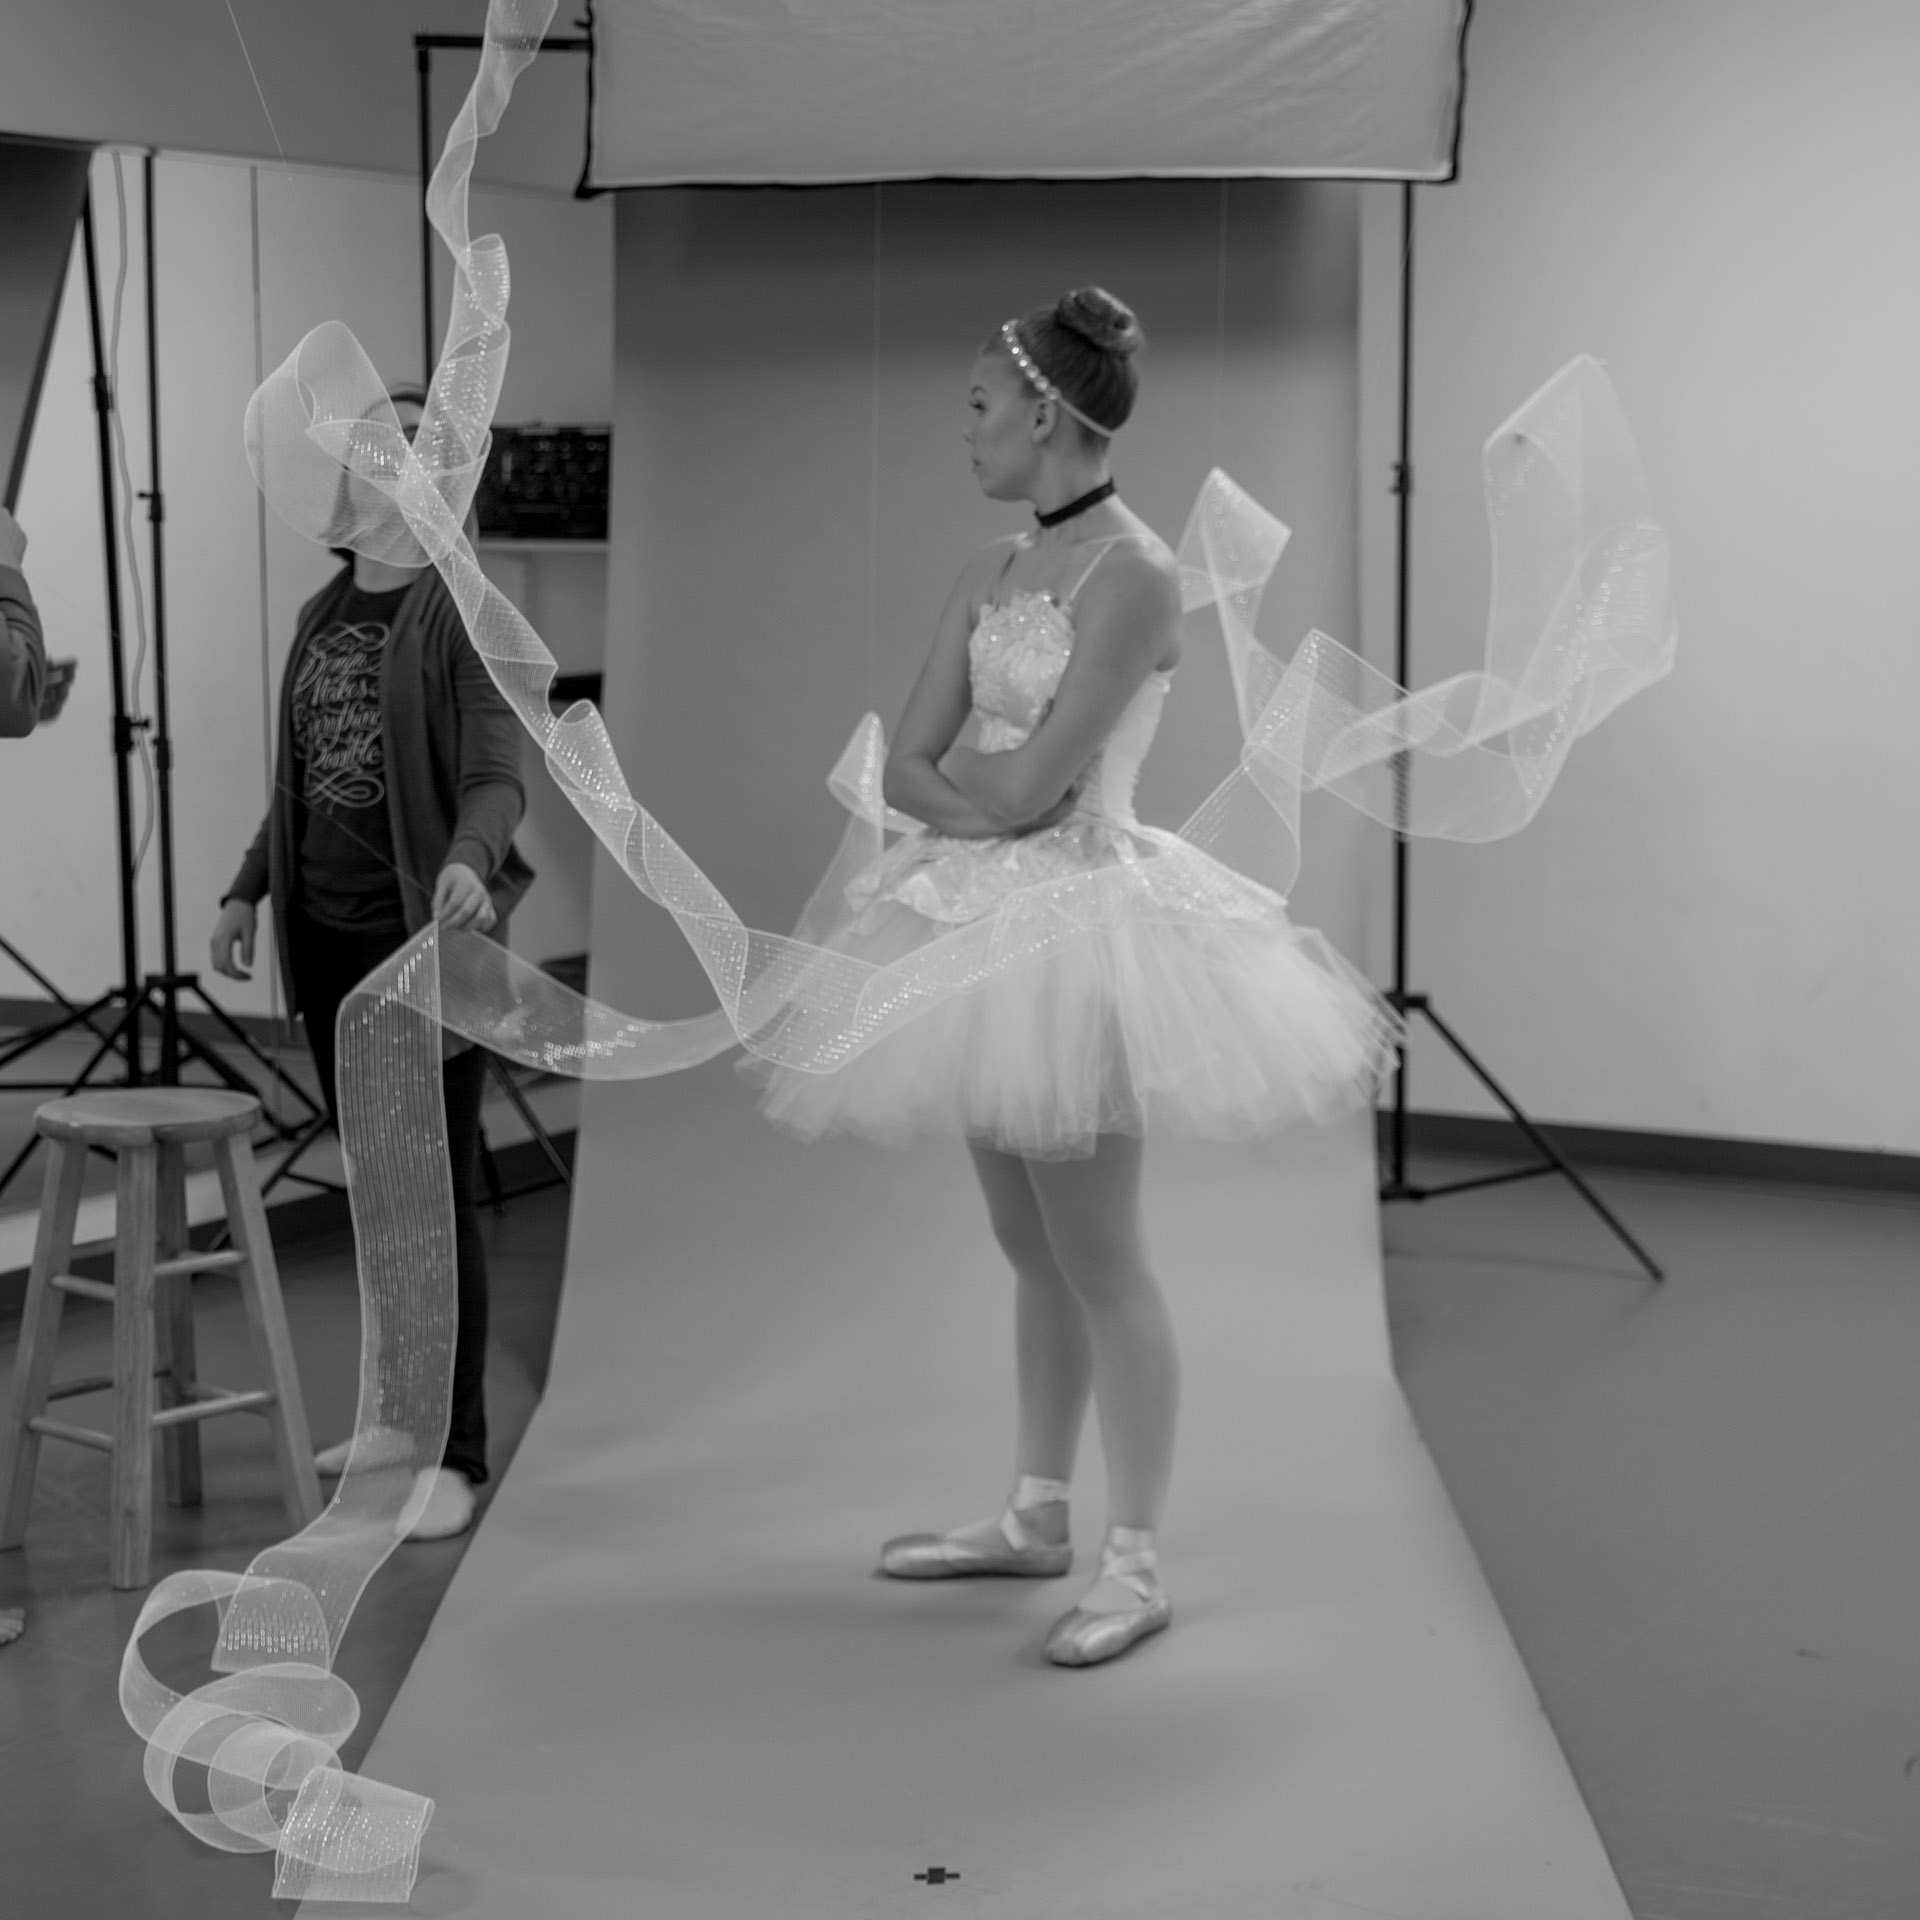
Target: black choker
1072, 507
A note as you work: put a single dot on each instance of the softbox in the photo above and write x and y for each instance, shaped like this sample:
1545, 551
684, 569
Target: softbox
42, 187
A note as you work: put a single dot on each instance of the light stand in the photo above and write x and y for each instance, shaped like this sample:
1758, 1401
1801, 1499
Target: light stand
158, 993
1396, 1183
125, 1034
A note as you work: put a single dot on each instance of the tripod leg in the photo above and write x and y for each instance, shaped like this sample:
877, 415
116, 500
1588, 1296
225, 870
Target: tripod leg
34, 974
1560, 1162
19, 1047
313, 1130
1391, 1140
562, 1172
24, 1044
209, 1056
490, 1173
314, 1108
113, 1039
18, 1161
190, 1042
116, 1036
283, 1170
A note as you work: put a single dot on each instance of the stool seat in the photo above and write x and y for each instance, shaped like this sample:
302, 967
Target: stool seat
159, 1399
148, 1116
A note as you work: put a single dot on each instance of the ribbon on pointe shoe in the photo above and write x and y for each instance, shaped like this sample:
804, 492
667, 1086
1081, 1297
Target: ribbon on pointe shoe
1087, 1637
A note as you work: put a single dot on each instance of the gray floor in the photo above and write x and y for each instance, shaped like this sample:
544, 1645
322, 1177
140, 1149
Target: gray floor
79, 1834
1695, 1504
771, 1357
1698, 1505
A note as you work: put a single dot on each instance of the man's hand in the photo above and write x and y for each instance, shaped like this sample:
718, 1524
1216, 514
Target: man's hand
59, 683
460, 899
238, 922
13, 543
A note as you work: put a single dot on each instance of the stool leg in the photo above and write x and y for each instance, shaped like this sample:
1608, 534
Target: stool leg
39, 1331
173, 1316
131, 1499
267, 1321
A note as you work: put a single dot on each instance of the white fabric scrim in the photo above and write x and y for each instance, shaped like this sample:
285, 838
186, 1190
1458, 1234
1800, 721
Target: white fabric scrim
805, 92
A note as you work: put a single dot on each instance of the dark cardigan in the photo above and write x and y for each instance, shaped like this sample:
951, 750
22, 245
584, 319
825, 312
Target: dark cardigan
452, 749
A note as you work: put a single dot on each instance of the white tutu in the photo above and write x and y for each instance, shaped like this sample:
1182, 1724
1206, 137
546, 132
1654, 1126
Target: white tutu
1098, 976
1182, 999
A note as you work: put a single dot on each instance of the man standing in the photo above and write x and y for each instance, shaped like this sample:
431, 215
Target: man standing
396, 791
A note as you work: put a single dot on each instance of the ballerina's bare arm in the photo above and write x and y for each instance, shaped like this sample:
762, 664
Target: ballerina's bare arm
1125, 625
936, 711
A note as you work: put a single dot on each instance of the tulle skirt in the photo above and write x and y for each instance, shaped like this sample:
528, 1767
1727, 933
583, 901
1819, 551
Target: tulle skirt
1176, 996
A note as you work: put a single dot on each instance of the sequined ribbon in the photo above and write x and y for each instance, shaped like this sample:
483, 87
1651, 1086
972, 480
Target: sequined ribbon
1580, 619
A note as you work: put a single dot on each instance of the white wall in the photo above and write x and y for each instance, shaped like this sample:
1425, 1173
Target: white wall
331, 245
1710, 928
791, 500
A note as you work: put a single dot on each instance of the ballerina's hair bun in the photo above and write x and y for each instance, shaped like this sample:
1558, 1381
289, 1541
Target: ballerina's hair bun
1100, 320
1085, 345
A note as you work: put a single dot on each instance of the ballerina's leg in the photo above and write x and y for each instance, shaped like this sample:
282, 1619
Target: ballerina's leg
1054, 1365
1053, 1349
1091, 1209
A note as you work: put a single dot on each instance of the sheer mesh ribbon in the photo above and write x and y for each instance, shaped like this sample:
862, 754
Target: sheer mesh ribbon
1579, 621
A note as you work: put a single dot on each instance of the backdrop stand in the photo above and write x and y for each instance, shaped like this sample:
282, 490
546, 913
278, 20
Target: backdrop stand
1396, 1182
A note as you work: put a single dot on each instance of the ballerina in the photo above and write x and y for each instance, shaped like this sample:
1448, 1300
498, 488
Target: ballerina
1167, 989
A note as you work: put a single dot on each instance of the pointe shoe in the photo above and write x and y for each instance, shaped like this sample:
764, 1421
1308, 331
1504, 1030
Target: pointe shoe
451, 1501
1018, 1552
1085, 1637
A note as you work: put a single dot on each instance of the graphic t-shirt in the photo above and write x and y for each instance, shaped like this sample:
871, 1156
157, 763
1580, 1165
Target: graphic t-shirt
347, 874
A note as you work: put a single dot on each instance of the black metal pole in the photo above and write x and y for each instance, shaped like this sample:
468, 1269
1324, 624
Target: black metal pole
123, 729
1397, 1184
423, 66
1403, 673
162, 735
1554, 1161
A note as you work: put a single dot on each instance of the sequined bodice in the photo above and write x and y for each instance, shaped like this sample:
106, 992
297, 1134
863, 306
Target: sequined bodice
1017, 653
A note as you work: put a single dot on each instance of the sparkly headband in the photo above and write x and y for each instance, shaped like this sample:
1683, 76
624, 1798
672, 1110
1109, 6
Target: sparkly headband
1025, 361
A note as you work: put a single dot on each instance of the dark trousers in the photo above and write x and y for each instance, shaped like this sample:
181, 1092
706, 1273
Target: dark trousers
327, 964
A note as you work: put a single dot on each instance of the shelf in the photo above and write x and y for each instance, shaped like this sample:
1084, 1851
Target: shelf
501, 543
566, 688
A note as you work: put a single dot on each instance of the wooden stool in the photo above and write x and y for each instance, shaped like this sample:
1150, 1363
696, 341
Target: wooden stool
152, 1294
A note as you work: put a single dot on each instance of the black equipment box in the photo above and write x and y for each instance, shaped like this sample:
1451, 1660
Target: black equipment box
545, 483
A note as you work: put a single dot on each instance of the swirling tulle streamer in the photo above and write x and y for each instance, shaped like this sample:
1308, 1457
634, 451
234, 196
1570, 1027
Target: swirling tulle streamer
1580, 620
